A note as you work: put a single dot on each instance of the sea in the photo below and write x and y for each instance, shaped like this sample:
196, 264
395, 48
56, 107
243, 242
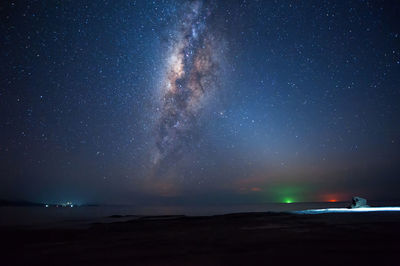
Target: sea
84, 216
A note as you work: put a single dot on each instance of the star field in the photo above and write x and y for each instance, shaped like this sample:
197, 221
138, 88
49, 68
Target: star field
225, 101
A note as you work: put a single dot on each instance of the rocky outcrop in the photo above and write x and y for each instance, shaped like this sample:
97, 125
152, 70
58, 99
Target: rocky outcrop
358, 202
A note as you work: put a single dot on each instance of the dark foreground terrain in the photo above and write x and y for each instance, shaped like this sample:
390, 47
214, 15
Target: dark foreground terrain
235, 239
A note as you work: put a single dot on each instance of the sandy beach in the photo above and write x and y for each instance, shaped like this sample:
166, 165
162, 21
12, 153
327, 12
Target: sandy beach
233, 239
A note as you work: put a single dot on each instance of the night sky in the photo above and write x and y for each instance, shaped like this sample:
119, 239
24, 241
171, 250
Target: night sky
199, 102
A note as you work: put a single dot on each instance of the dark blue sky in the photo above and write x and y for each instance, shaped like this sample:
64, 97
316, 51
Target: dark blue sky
199, 101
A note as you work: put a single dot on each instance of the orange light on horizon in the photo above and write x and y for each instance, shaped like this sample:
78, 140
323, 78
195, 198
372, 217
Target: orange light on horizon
332, 197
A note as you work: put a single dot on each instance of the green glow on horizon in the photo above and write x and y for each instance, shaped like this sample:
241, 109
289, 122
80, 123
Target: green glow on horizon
285, 192
288, 200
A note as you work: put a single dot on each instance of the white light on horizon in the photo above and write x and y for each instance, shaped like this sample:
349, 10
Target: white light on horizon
346, 210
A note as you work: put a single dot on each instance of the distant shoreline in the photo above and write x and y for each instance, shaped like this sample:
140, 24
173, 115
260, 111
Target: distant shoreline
22, 203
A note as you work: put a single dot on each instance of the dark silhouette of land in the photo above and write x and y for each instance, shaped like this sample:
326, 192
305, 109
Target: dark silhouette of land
234, 239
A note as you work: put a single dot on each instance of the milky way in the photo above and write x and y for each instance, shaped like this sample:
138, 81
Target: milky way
190, 77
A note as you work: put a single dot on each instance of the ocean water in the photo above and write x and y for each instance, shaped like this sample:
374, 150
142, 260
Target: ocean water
84, 216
